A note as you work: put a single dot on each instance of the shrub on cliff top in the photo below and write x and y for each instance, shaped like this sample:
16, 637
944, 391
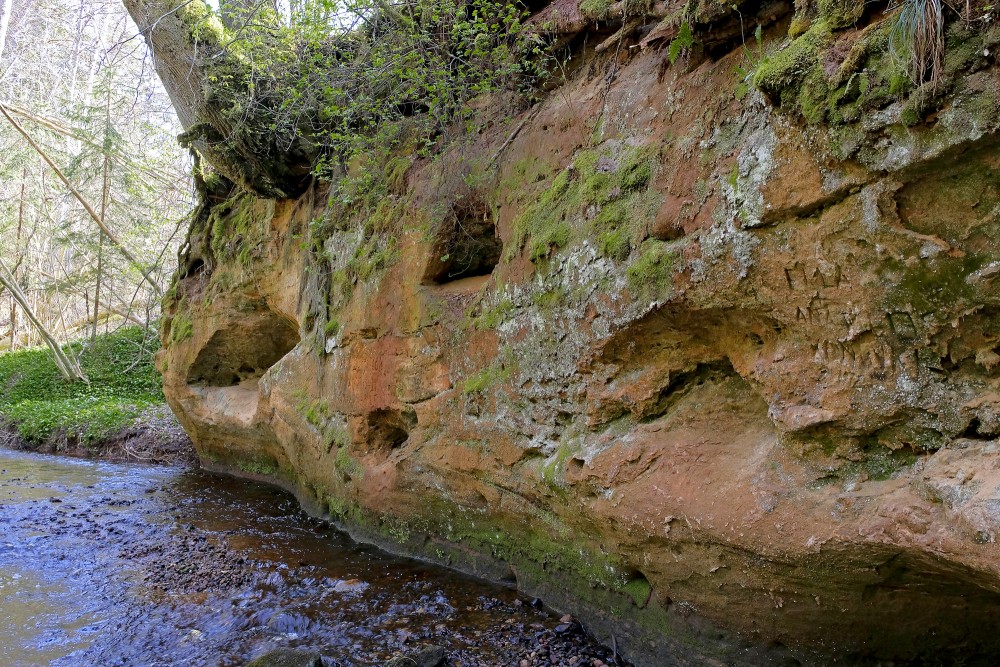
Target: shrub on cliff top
329, 81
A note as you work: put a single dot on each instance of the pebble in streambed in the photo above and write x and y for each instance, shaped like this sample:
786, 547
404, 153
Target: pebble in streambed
161, 566
565, 645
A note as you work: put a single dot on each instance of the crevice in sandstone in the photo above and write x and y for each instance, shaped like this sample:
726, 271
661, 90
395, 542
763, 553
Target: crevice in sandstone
732, 32
244, 351
681, 384
814, 209
976, 431
655, 401
467, 244
385, 429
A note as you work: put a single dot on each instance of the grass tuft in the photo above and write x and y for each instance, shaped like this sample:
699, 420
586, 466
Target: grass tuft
918, 36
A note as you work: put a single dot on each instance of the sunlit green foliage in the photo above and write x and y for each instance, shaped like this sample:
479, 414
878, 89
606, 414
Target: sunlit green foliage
331, 80
41, 404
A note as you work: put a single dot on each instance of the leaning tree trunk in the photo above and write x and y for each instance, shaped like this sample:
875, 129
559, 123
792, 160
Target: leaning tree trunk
67, 366
190, 47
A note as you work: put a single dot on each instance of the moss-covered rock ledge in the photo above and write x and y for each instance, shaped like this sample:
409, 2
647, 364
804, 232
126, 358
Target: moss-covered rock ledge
702, 347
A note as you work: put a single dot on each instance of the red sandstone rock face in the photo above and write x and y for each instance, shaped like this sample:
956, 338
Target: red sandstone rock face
792, 438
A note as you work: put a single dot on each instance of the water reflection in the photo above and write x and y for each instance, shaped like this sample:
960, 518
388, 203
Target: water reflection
105, 564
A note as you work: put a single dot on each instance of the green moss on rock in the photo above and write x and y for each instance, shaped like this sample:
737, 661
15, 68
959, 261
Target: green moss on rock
239, 229
651, 275
639, 590
348, 465
785, 69
611, 185
261, 465
492, 317
181, 328
615, 244
485, 379
841, 13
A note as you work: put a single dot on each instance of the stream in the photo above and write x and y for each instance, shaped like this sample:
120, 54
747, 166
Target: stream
109, 564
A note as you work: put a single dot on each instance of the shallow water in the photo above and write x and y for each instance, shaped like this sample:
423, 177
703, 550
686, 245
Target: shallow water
107, 564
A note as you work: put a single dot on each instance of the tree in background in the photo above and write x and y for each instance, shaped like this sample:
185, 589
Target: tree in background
94, 188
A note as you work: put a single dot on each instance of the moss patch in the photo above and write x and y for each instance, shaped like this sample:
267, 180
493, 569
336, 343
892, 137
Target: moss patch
639, 590
650, 276
348, 465
239, 229
784, 70
610, 186
938, 287
841, 13
262, 465
492, 317
486, 378
181, 328
812, 75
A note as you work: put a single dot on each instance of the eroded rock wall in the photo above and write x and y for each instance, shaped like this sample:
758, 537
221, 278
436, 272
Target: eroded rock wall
718, 377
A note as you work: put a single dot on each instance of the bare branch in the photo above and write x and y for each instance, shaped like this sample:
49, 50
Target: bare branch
112, 237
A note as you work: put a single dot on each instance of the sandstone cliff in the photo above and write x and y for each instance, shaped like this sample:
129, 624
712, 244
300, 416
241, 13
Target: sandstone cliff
705, 349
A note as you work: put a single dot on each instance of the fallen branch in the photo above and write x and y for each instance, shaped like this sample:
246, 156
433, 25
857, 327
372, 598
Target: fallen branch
67, 366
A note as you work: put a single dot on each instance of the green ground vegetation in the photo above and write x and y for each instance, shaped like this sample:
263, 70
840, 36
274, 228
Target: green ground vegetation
41, 406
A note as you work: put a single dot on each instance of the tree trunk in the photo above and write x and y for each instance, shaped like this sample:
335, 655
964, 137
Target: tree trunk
188, 52
105, 187
20, 229
67, 366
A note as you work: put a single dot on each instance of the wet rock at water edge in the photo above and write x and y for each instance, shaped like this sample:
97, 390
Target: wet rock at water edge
429, 656
287, 657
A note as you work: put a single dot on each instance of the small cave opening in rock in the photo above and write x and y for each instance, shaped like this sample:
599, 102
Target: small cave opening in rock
638, 588
385, 429
975, 430
467, 245
243, 351
939, 610
730, 33
682, 383
193, 268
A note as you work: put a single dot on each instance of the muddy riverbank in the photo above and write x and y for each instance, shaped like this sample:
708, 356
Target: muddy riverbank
155, 437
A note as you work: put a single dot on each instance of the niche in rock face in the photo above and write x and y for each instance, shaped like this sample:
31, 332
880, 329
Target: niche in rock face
243, 351
384, 429
467, 245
